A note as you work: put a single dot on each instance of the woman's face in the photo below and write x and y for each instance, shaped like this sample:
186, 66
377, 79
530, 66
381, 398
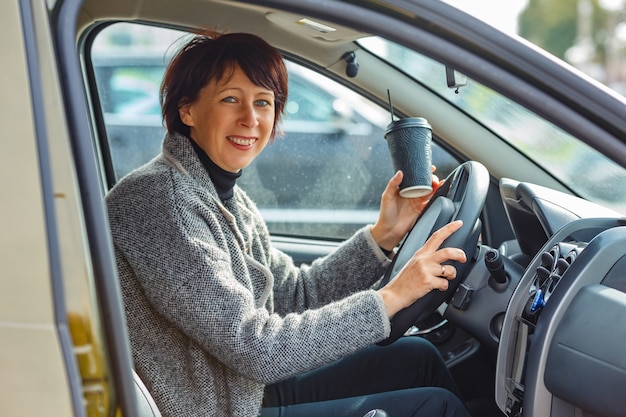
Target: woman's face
231, 120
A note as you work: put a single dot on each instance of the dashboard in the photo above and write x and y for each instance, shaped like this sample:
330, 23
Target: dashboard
556, 303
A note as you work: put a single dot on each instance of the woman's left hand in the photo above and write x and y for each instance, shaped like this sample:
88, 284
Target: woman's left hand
398, 214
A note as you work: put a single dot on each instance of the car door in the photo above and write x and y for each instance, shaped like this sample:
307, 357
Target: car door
63, 349
29, 268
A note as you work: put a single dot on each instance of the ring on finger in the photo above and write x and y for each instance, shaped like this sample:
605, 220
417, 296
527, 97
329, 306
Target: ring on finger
443, 270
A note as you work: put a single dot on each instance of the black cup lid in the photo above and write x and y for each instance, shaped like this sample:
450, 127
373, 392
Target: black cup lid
408, 122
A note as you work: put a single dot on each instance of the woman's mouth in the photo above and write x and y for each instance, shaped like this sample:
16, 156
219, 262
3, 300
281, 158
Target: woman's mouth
241, 141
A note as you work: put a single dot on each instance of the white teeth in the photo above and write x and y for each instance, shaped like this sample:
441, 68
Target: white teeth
242, 142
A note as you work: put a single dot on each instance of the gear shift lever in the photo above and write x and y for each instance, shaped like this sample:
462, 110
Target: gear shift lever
498, 280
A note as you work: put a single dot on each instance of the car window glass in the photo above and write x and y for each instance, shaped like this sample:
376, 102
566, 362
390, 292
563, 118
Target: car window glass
321, 177
558, 152
307, 104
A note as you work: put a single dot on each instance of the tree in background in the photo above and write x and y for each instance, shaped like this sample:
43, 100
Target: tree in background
579, 31
551, 24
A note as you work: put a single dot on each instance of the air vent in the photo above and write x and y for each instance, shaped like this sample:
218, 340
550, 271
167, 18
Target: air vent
554, 263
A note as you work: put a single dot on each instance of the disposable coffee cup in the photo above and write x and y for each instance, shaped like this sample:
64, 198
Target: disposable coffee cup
409, 142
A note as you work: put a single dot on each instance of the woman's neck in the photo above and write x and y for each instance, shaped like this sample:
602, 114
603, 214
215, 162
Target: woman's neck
223, 180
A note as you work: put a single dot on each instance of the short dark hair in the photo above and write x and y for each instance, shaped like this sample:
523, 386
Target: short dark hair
210, 56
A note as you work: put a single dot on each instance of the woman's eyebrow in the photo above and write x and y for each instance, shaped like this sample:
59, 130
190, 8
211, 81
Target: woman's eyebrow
227, 88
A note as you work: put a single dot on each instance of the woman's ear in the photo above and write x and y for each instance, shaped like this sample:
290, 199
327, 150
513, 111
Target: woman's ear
184, 112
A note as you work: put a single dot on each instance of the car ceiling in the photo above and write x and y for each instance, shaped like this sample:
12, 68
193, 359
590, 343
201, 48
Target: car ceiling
325, 50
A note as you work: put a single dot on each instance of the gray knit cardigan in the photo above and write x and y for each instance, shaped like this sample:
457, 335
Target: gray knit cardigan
214, 312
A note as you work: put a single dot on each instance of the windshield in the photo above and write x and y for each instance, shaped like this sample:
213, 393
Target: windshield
559, 153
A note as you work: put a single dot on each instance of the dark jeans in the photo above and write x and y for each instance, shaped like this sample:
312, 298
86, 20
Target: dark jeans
406, 379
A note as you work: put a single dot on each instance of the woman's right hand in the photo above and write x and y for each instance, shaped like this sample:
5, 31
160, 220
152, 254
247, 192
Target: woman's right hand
424, 272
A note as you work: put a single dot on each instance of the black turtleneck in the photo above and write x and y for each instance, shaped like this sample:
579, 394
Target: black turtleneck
223, 181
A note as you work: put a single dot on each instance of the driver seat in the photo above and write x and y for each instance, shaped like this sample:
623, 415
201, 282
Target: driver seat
145, 403
146, 406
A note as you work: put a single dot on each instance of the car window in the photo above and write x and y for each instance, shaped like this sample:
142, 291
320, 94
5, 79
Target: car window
557, 151
321, 177
307, 104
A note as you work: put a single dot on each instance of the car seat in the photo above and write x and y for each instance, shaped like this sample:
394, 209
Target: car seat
145, 404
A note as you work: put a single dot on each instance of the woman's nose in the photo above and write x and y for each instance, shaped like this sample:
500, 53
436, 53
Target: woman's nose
248, 116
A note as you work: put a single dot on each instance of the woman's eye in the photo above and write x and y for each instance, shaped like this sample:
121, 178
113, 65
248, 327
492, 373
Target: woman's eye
263, 103
229, 99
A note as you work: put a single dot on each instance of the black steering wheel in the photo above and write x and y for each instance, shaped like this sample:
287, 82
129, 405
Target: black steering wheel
461, 197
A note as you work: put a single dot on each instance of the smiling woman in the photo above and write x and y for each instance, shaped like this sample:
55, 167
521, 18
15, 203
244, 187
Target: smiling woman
189, 64
192, 249
231, 120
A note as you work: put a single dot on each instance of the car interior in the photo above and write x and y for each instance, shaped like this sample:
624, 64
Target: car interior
532, 324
